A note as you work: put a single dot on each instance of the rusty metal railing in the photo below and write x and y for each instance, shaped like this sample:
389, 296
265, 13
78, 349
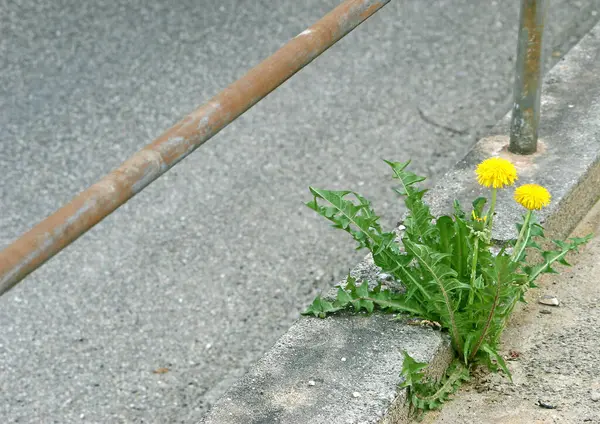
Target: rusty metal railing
528, 78
64, 226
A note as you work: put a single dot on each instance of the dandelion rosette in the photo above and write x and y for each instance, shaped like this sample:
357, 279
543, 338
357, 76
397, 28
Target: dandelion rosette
496, 173
532, 196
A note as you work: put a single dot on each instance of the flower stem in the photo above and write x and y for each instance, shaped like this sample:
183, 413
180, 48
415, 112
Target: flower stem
518, 248
492, 208
473, 270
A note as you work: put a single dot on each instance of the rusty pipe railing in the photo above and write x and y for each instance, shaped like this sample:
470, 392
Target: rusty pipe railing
91, 206
528, 78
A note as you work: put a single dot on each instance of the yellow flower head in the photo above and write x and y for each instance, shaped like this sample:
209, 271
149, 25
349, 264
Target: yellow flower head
532, 196
496, 173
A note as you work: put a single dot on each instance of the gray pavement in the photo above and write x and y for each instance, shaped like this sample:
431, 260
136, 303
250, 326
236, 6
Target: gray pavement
203, 270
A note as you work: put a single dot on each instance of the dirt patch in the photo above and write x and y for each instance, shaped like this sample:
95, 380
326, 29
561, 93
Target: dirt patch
553, 353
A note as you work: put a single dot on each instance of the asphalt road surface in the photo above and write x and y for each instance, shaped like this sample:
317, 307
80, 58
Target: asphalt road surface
206, 268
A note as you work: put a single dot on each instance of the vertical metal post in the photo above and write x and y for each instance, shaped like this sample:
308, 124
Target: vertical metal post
528, 83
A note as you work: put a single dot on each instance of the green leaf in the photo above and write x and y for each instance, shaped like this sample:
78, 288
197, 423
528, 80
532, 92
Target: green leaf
479, 283
537, 230
497, 357
418, 223
428, 395
358, 219
320, 308
461, 248
396, 303
467, 346
315, 308
563, 261
412, 371
552, 256
458, 211
444, 278
363, 289
408, 179
342, 298
446, 229
433, 263
350, 284
478, 205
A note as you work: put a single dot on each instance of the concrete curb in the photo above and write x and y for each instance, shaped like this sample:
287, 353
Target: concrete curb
345, 369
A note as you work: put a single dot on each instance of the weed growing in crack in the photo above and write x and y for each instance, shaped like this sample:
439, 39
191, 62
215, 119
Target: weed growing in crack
447, 267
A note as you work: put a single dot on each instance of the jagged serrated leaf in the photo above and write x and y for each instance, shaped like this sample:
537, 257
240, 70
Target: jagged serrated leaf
412, 371
342, 298
315, 308
497, 357
400, 305
551, 256
363, 289
407, 178
564, 262
328, 306
351, 284
444, 279
537, 230
430, 395
358, 219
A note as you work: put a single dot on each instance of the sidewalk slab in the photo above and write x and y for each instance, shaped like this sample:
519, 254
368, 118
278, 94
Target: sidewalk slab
341, 369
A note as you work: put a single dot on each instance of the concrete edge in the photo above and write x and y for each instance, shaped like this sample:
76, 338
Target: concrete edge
568, 164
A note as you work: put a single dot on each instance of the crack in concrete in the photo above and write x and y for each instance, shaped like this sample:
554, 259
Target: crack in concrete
444, 127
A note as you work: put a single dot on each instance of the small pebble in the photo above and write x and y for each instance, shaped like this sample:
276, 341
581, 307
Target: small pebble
356, 394
595, 396
311, 383
549, 300
343, 359
545, 405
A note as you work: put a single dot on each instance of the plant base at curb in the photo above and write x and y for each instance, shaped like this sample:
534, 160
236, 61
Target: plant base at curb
447, 266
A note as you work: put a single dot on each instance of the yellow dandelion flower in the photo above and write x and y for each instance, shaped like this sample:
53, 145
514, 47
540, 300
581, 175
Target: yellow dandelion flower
532, 196
479, 219
496, 173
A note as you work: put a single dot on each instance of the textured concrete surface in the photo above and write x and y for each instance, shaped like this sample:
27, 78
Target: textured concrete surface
203, 271
336, 370
315, 370
558, 355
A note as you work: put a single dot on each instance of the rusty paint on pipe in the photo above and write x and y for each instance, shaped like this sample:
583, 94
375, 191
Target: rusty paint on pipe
527, 90
57, 231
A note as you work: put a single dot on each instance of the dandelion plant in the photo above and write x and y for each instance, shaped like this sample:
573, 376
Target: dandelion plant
447, 267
